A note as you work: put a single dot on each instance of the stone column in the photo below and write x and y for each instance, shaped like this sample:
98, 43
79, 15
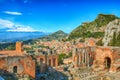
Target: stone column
56, 64
85, 58
82, 57
52, 62
49, 61
79, 59
76, 61
88, 59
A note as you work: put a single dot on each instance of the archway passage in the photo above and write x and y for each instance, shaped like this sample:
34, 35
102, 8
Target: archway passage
15, 69
54, 60
90, 61
107, 62
41, 60
49, 62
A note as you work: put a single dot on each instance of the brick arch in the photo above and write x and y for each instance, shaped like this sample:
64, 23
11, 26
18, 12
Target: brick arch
54, 61
110, 59
15, 69
100, 56
107, 62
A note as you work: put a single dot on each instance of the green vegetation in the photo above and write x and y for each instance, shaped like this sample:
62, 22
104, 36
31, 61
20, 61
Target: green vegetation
27, 49
69, 55
99, 43
91, 29
116, 40
31, 41
59, 35
7, 46
103, 19
63, 56
11, 47
60, 59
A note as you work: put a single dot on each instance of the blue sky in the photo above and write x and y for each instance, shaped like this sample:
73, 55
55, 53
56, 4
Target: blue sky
52, 15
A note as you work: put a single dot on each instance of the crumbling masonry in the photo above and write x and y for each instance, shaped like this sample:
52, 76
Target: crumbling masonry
99, 58
19, 63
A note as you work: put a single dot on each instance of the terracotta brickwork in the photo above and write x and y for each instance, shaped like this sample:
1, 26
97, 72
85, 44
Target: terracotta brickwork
106, 58
83, 57
47, 59
17, 52
19, 47
15, 61
99, 58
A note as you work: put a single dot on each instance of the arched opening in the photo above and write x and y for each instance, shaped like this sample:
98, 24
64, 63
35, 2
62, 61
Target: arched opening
54, 60
118, 69
15, 69
41, 60
49, 62
90, 61
107, 62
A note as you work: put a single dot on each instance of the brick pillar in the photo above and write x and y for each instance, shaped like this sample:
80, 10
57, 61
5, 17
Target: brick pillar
74, 53
56, 64
52, 62
82, 57
18, 47
49, 62
76, 61
45, 59
87, 59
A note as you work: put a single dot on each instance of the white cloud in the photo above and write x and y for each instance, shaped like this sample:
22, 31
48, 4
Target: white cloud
15, 27
6, 23
12, 13
21, 28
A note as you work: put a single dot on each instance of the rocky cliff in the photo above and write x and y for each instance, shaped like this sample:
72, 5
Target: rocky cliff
93, 29
112, 34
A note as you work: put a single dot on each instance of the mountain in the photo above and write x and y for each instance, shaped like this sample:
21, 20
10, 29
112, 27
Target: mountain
58, 35
19, 36
93, 29
112, 34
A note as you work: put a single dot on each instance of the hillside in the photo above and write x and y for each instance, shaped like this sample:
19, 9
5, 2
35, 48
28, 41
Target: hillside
58, 35
112, 34
93, 29
7, 46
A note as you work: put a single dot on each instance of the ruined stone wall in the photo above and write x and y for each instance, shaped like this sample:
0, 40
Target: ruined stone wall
19, 65
17, 52
44, 61
99, 58
53, 59
82, 57
101, 55
3, 63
